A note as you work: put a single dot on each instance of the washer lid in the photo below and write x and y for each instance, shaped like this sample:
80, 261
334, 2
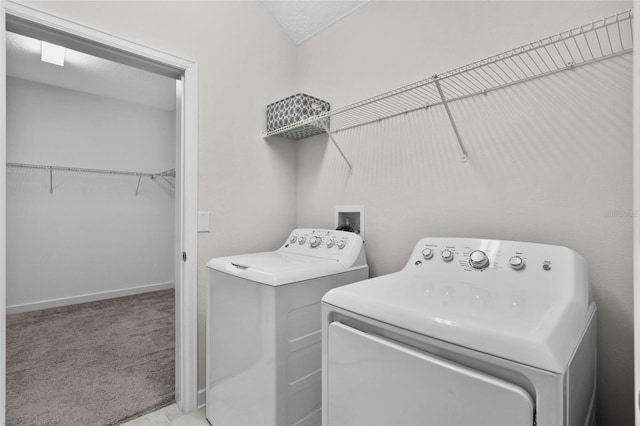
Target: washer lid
306, 254
276, 268
534, 316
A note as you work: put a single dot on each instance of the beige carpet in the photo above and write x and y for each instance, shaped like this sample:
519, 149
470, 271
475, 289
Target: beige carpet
97, 363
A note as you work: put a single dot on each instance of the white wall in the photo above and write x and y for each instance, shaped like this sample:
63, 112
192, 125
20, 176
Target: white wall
549, 160
92, 235
552, 182
245, 61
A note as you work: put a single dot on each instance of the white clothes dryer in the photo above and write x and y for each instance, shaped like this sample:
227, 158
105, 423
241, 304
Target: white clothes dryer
264, 327
470, 332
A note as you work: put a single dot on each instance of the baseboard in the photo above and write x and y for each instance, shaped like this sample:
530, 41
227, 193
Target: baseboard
202, 398
72, 300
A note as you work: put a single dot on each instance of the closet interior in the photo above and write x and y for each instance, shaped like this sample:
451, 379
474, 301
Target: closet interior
91, 148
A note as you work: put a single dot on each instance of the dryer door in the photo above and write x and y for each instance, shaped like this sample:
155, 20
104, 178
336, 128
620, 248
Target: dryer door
375, 381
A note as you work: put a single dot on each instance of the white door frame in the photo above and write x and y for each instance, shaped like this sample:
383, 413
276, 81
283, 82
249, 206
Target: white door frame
636, 212
186, 194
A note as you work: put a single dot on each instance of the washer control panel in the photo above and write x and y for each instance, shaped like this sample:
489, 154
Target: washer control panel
325, 243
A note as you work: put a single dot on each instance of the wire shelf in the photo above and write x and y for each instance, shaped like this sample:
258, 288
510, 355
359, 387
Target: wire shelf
604, 38
170, 172
51, 169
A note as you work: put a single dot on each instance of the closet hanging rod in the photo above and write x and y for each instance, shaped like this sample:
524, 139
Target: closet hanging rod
601, 39
170, 172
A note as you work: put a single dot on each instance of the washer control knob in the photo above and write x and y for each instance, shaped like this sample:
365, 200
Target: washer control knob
447, 255
330, 243
427, 253
293, 239
302, 240
478, 259
315, 241
516, 262
341, 244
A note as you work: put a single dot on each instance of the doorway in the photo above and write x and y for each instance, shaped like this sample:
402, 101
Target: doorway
27, 21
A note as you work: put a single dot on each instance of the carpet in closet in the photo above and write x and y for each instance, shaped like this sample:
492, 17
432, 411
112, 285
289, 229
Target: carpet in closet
97, 363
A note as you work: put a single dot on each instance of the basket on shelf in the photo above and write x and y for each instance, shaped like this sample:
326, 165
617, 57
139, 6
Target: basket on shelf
294, 109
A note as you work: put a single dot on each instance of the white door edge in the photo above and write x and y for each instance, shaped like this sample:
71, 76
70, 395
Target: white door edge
3, 213
186, 288
636, 215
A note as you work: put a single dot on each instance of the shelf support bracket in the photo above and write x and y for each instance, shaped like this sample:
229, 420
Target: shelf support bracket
50, 179
138, 187
463, 153
326, 129
168, 181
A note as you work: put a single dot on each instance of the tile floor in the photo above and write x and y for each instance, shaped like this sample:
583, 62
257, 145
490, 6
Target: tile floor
171, 416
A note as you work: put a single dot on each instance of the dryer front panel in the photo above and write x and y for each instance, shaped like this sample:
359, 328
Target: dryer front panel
375, 381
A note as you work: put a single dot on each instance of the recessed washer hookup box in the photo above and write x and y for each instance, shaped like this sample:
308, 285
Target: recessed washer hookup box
294, 109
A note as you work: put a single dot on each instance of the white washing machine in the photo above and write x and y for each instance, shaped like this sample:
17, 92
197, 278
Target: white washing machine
470, 332
264, 327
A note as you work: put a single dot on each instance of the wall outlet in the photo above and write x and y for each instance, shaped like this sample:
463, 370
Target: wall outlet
350, 218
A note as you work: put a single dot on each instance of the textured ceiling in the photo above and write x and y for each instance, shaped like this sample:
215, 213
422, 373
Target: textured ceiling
302, 19
89, 74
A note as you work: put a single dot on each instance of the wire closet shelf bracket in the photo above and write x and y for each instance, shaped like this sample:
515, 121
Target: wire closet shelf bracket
601, 39
51, 169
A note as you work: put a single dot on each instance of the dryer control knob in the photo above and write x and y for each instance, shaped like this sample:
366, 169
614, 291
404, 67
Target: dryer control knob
516, 262
301, 240
315, 241
427, 253
330, 243
341, 244
293, 239
478, 259
447, 255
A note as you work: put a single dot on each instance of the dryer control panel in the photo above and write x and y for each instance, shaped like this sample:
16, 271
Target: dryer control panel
485, 271
520, 301
478, 255
324, 243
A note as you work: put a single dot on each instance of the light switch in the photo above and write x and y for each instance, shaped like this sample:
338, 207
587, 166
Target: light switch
203, 221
